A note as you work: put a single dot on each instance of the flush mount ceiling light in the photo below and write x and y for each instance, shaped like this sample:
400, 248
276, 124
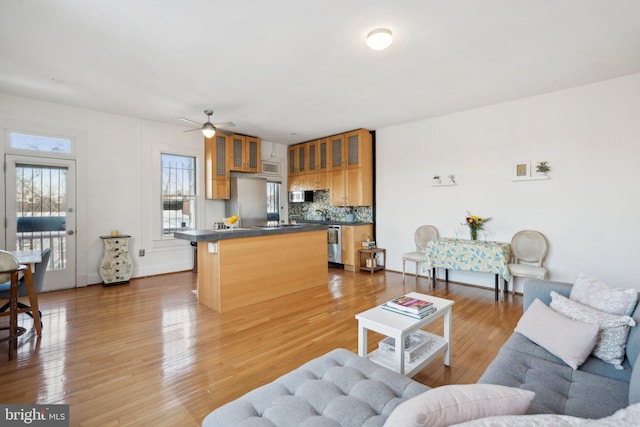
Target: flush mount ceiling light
379, 39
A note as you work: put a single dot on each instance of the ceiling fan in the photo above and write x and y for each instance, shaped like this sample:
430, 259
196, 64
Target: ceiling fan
208, 129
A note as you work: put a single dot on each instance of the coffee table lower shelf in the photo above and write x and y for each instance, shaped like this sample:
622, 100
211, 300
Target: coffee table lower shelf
387, 359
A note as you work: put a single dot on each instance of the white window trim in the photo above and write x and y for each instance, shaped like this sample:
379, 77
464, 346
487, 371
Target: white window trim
159, 240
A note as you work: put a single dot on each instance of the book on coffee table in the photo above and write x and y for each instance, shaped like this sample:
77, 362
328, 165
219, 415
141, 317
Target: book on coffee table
410, 304
420, 315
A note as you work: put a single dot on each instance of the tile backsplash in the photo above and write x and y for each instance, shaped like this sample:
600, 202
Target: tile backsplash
320, 207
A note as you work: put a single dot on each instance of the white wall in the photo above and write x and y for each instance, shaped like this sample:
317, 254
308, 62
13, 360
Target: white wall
588, 209
117, 180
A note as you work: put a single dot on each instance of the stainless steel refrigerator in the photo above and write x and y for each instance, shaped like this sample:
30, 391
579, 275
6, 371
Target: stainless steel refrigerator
248, 200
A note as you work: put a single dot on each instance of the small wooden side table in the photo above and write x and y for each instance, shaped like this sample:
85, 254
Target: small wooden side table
371, 257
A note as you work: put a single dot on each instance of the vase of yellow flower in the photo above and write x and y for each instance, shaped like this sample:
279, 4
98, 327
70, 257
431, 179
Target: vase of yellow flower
475, 223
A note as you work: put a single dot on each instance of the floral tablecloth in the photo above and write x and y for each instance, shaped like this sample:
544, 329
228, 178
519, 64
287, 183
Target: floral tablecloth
469, 255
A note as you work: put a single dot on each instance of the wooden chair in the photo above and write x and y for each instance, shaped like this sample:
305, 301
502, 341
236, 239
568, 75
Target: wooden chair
528, 246
423, 234
9, 271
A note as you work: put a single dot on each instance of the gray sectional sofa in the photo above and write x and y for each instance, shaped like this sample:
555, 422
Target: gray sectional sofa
595, 390
337, 389
342, 389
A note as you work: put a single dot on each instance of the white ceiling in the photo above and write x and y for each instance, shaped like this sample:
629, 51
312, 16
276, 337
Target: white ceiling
293, 70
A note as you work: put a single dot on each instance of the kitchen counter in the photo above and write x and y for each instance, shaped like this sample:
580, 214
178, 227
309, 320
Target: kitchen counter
238, 268
216, 235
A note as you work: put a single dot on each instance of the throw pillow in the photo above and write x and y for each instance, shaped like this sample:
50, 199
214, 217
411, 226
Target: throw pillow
626, 417
590, 291
614, 330
451, 404
567, 339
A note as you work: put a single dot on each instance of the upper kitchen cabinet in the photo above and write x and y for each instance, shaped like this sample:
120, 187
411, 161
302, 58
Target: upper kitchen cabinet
216, 158
351, 176
245, 153
341, 163
350, 150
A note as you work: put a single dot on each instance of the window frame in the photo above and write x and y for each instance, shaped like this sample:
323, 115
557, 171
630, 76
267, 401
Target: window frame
192, 196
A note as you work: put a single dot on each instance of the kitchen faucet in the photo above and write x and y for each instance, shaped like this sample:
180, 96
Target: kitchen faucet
324, 213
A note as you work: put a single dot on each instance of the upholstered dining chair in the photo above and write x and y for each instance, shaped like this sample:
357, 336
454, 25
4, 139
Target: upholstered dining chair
422, 235
38, 283
531, 247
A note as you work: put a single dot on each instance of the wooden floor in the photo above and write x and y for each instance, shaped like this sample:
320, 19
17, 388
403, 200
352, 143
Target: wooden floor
147, 354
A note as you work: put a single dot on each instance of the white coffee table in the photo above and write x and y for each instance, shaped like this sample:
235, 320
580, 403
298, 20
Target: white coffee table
399, 326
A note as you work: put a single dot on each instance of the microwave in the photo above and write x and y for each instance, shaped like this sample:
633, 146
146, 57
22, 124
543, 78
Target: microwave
300, 196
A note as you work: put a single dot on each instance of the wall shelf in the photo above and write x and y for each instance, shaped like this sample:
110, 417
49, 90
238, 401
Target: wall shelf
444, 184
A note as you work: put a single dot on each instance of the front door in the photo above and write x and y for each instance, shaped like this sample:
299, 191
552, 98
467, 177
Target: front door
40, 212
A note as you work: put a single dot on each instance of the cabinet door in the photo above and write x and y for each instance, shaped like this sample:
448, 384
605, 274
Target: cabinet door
237, 153
312, 156
336, 152
357, 150
253, 154
337, 187
216, 155
347, 246
323, 155
318, 181
359, 189
291, 152
301, 156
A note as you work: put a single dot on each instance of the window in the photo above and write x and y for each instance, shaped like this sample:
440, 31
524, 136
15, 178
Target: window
47, 144
178, 193
273, 201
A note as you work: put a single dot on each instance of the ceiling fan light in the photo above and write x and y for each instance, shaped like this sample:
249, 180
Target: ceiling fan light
208, 130
379, 38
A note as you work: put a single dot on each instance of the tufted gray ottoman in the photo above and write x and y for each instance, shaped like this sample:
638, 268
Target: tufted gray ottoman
339, 389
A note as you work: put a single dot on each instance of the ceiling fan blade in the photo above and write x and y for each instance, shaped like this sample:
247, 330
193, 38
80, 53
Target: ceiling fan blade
190, 121
191, 130
225, 124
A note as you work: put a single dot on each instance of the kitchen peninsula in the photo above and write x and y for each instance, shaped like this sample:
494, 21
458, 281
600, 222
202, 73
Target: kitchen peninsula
240, 267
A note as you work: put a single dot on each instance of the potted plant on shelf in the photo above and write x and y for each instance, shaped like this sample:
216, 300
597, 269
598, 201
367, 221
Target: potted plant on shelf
542, 168
435, 179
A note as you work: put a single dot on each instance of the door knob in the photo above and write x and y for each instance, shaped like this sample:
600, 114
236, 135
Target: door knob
69, 232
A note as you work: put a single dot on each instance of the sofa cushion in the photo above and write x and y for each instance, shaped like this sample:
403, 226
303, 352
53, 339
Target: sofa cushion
591, 291
338, 389
559, 388
451, 404
569, 339
614, 329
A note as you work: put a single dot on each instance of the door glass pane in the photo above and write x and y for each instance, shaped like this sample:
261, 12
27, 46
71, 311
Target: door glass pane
41, 211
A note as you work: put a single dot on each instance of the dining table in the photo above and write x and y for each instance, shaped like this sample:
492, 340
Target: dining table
30, 258
469, 255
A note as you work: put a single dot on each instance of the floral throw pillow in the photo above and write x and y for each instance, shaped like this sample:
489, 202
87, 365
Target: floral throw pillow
613, 329
590, 291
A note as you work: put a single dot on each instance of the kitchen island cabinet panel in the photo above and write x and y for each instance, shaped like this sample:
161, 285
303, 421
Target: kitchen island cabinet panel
248, 270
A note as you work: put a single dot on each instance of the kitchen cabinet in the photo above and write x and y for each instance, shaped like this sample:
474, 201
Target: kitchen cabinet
351, 175
245, 153
350, 150
342, 163
352, 238
317, 165
216, 158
